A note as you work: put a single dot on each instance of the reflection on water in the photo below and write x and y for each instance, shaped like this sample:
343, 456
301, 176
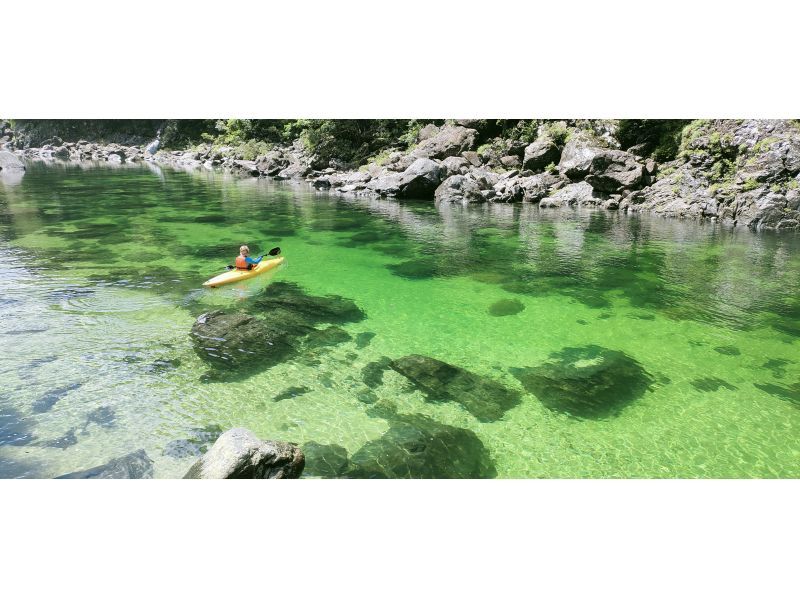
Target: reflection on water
100, 284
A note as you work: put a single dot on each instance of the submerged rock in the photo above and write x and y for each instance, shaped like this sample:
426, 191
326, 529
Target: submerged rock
325, 460
14, 430
136, 465
104, 416
419, 447
506, 307
238, 453
711, 384
66, 440
372, 373
239, 339
586, 382
790, 393
291, 393
46, 402
195, 445
363, 339
484, 398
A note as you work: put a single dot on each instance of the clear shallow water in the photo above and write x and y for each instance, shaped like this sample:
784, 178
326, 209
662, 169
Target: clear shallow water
100, 274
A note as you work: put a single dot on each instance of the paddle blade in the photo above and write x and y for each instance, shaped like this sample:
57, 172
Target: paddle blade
274, 251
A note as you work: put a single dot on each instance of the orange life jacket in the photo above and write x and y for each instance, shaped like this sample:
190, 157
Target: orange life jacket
241, 263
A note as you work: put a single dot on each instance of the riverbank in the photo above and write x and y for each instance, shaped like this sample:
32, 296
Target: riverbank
739, 172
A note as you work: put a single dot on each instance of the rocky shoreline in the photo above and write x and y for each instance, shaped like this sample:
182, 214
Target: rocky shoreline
738, 172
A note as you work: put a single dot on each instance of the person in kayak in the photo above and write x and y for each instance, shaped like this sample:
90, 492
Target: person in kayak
244, 261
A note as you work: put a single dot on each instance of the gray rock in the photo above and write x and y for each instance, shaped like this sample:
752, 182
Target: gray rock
510, 162
427, 132
458, 189
576, 194
577, 156
455, 165
420, 180
239, 454
539, 154
134, 466
450, 140
473, 158
9, 162
612, 171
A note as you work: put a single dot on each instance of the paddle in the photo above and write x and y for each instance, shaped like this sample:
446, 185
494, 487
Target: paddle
272, 252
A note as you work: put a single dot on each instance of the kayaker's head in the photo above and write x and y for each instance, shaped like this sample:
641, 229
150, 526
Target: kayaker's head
244, 250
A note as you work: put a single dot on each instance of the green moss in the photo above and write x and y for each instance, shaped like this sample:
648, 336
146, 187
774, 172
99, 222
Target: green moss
750, 184
764, 145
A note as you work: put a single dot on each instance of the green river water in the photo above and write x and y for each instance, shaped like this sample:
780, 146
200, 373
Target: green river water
100, 282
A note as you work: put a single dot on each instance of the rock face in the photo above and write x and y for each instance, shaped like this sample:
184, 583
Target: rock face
484, 398
136, 465
9, 162
745, 172
419, 447
239, 454
586, 382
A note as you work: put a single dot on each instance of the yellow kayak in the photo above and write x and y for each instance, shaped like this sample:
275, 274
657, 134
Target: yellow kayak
239, 275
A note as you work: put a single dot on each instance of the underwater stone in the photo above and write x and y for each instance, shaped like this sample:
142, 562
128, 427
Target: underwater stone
46, 402
14, 430
136, 465
586, 382
104, 416
506, 307
291, 393
418, 447
325, 460
790, 393
484, 398
711, 384
372, 373
62, 442
728, 350
363, 339
327, 337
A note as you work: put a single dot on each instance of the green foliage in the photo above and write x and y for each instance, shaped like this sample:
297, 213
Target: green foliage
558, 132
353, 141
750, 184
661, 137
764, 145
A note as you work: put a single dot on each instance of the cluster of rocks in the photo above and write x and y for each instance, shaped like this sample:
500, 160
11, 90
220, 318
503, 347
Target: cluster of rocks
741, 172
238, 453
82, 150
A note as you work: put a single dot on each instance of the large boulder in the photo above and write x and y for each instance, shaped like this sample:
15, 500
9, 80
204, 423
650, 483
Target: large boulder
586, 382
136, 465
528, 189
539, 154
576, 194
272, 162
449, 140
577, 156
455, 165
613, 171
418, 447
483, 397
458, 189
9, 162
420, 180
239, 454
